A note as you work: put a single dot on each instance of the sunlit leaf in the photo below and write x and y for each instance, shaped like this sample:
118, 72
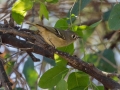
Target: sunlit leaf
20, 8
69, 49
60, 61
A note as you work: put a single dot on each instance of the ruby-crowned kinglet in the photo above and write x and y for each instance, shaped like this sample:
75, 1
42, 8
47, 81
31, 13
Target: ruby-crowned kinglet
56, 37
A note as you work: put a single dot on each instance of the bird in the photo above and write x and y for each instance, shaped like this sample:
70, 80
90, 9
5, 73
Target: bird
55, 37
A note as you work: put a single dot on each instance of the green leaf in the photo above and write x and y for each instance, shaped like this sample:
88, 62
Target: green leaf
60, 61
92, 58
20, 8
100, 62
99, 88
61, 24
108, 53
30, 74
115, 78
69, 49
43, 11
95, 87
85, 31
106, 15
88, 30
95, 24
62, 85
78, 81
114, 19
78, 29
51, 77
76, 9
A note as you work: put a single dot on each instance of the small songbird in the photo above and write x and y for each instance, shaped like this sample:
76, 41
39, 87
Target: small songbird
56, 37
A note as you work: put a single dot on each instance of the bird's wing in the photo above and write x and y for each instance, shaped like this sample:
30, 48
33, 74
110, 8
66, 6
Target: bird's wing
57, 32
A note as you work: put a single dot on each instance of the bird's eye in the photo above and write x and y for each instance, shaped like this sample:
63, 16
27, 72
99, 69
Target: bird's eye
73, 36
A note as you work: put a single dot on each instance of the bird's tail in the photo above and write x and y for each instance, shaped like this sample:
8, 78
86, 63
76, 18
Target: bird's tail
39, 26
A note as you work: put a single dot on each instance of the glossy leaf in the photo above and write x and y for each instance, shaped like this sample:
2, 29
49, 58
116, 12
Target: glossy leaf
61, 24
60, 61
43, 11
100, 62
76, 9
78, 81
69, 49
62, 85
20, 8
114, 19
95, 87
87, 30
99, 88
95, 24
92, 58
30, 73
51, 77
106, 15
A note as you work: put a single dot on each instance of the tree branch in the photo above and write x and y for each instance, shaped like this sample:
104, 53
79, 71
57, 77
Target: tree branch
3, 77
72, 60
89, 69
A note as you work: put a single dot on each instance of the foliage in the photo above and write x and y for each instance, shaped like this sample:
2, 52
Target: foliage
100, 62
76, 9
20, 8
114, 18
30, 73
51, 77
56, 76
78, 81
